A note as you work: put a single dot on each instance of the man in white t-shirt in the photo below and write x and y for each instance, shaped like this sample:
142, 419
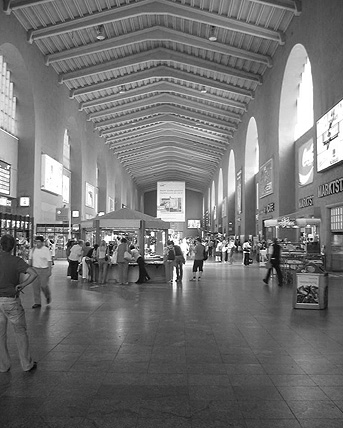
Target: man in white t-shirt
40, 260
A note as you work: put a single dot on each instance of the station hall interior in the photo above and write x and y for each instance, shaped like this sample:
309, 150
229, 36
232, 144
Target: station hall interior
239, 102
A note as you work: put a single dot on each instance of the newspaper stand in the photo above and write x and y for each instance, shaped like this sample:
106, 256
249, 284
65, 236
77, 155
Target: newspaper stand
311, 288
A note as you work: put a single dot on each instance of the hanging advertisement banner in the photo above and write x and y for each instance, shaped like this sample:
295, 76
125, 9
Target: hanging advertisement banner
171, 197
239, 191
266, 179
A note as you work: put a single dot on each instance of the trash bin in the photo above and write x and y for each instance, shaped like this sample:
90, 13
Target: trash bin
311, 288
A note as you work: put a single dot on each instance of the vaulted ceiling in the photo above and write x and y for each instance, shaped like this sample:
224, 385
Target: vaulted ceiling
164, 98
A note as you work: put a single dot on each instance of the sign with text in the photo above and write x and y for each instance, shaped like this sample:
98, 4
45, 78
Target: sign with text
171, 197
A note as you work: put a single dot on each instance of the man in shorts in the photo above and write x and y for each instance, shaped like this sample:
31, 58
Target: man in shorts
10, 306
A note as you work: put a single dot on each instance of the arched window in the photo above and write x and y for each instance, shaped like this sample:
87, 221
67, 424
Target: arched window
304, 119
8, 101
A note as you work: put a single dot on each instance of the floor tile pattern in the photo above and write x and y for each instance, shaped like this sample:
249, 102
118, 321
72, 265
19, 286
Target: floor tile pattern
226, 351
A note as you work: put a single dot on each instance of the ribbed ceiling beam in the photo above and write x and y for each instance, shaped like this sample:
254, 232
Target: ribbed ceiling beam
156, 7
177, 132
167, 126
157, 34
165, 87
133, 149
10, 5
291, 5
164, 109
164, 99
162, 118
160, 55
161, 72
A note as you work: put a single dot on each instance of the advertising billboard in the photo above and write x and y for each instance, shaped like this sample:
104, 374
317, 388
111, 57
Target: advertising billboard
305, 163
52, 175
171, 197
330, 138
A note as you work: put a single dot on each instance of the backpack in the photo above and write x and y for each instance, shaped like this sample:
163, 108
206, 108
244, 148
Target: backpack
205, 254
171, 254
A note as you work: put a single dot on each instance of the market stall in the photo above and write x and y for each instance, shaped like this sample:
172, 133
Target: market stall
148, 233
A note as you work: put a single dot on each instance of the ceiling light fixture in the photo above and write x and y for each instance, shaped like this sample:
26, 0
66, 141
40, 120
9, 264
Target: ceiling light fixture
121, 90
100, 33
212, 37
203, 90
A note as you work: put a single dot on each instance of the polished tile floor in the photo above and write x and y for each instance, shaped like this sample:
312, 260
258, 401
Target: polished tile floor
227, 351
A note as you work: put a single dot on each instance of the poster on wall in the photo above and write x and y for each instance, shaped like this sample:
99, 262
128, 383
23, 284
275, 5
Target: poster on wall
239, 191
90, 196
330, 138
171, 196
266, 179
110, 204
305, 163
52, 175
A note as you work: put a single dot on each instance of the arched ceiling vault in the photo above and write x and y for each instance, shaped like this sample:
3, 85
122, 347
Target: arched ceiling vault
165, 99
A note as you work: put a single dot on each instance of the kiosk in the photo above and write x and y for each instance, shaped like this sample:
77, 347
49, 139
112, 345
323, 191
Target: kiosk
149, 233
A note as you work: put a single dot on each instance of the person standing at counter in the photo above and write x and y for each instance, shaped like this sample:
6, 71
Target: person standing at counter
102, 258
123, 264
138, 258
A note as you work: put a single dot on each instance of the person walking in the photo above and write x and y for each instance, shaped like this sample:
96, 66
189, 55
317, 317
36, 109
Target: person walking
75, 258
123, 264
143, 275
40, 260
199, 252
275, 259
11, 309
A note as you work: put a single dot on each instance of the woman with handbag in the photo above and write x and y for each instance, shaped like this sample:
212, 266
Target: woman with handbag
123, 262
102, 258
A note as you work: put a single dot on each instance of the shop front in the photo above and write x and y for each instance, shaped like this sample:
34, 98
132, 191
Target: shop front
21, 228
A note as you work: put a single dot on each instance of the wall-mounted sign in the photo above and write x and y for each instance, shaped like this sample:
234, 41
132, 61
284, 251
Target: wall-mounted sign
5, 178
24, 201
52, 175
269, 208
305, 163
90, 196
331, 188
75, 213
171, 200
305, 202
266, 179
330, 138
286, 222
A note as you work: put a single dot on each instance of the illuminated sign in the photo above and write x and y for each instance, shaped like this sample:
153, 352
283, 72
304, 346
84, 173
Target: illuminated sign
330, 138
52, 175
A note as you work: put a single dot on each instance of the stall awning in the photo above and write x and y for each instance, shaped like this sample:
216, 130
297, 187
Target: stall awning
126, 218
